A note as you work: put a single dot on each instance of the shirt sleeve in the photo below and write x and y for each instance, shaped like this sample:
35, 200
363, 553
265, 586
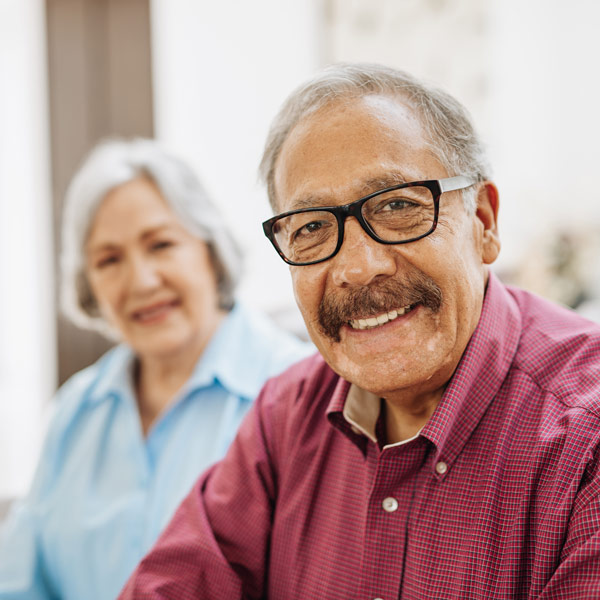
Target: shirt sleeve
21, 568
578, 573
216, 546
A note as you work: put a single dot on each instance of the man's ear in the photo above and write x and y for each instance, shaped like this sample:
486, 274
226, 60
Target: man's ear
487, 214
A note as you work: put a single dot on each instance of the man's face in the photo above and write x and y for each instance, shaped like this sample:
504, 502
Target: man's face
337, 155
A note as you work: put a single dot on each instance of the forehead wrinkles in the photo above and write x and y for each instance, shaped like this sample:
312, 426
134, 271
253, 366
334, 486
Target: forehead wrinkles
382, 124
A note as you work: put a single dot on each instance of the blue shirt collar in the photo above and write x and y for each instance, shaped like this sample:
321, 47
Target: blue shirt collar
114, 375
223, 361
227, 353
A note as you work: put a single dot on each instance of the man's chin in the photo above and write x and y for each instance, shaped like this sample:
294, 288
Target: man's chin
368, 373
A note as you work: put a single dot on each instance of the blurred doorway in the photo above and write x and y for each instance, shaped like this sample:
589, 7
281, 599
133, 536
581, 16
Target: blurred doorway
100, 84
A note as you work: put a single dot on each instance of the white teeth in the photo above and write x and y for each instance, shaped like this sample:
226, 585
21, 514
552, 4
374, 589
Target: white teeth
379, 319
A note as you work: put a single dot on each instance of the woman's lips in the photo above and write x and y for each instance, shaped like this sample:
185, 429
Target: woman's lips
154, 312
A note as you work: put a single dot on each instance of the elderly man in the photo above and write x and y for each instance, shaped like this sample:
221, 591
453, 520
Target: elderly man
444, 442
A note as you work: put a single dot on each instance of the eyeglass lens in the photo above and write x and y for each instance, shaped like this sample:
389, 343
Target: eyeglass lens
394, 216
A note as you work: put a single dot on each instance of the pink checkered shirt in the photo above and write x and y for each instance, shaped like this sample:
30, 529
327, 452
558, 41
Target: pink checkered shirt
497, 497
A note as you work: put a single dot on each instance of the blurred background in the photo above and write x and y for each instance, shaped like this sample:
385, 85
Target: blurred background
206, 78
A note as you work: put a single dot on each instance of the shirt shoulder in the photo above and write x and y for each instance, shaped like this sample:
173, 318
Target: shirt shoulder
85, 384
560, 351
249, 349
280, 346
295, 402
73, 398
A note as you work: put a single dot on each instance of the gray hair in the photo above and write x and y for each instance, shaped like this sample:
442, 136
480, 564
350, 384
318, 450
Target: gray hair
111, 164
447, 124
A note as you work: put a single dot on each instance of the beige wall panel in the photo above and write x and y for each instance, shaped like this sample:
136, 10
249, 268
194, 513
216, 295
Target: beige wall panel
100, 84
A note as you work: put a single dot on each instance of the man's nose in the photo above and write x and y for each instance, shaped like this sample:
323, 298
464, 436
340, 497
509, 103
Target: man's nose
361, 260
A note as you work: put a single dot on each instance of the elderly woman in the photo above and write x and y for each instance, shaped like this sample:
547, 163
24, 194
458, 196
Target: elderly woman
148, 260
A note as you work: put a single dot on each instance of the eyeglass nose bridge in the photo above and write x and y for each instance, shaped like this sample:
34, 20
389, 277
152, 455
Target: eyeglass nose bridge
354, 209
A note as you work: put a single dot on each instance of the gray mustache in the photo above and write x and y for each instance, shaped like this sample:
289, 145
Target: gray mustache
416, 288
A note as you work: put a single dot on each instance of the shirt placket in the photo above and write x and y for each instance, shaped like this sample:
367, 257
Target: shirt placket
388, 512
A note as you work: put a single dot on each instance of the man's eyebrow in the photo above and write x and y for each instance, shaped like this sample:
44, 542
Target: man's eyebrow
311, 201
385, 181
370, 185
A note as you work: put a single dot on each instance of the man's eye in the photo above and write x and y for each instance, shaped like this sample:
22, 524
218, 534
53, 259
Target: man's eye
314, 226
309, 228
397, 204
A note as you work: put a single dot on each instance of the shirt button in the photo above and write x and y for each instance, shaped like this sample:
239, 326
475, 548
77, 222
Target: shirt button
377, 598
389, 505
441, 467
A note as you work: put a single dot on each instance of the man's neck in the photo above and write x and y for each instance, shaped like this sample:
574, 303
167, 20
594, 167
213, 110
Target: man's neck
404, 417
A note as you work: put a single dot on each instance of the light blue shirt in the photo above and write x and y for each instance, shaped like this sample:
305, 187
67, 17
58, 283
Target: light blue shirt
102, 492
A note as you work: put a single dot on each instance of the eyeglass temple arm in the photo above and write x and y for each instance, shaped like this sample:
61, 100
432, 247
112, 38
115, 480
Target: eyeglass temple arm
456, 183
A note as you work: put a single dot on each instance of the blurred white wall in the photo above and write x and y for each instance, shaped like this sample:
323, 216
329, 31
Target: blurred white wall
545, 119
221, 70
27, 363
526, 70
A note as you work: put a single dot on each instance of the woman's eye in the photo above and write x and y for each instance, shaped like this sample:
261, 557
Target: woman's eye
161, 245
107, 261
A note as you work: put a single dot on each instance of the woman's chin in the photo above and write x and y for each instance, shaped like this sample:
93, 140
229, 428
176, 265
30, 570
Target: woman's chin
163, 345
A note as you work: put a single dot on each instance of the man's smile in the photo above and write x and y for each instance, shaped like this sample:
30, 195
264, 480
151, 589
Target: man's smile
381, 319
382, 303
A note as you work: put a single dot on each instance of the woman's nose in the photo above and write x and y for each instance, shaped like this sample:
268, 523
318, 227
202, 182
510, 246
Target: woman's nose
361, 260
142, 274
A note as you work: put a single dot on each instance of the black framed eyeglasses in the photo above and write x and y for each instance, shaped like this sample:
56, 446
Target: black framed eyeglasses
396, 215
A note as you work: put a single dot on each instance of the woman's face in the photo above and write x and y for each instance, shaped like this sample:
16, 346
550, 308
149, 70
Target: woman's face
153, 280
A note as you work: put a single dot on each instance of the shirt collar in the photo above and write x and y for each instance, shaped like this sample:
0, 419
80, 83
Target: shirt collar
478, 377
114, 375
225, 359
361, 410
222, 360
480, 374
